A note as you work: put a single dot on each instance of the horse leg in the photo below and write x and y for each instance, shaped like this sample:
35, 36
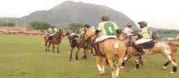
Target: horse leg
126, 58
103, 61
49, 44
91, 50
124, 61
120, 60
173, 62
85, 53
137, 62
53, 48
46, 46
58, 51
112, 67
77, 53
166, 64
98, 64
71, 53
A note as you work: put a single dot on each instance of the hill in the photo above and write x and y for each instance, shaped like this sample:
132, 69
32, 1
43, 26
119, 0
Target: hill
69, 11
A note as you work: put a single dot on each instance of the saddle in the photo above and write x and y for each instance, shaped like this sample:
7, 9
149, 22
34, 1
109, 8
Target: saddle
97, 44
148, 45
103, 38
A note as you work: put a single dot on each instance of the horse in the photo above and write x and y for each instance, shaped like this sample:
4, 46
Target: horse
106, 50
56, 40
168, 49
77, 41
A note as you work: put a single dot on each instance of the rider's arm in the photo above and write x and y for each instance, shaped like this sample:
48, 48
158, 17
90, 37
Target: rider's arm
55, 29
115, 26
99, 27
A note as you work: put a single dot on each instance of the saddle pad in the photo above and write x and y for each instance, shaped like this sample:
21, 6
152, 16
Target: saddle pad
148, 45
101, 38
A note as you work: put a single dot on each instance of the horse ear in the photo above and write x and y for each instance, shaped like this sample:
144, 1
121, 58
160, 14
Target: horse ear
118, 31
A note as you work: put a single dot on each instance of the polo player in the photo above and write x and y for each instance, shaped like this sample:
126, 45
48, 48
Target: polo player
146, 37
51, 31
105, 30
129, 32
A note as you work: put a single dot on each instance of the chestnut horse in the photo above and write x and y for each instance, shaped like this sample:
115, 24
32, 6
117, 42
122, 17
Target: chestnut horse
107, 52
56, 40
167, 49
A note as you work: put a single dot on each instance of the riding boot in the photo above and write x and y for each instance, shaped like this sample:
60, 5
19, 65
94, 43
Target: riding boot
139, 53
96, 48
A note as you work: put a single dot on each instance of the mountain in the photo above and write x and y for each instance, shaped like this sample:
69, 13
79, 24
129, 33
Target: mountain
69, 12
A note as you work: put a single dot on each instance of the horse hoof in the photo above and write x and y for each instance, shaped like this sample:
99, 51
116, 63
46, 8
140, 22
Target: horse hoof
70, 59
141, 62
136, 68
84, 57
101, 73
164, 67
46, 50
172, 72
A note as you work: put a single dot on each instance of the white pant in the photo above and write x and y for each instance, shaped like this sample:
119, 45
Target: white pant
51, 34
101, 38
142, 40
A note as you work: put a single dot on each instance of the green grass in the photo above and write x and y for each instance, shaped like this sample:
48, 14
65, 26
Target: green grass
24, 57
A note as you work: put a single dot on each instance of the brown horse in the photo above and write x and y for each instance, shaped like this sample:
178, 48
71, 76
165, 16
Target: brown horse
78, 42
107, 52
56, 40
167, 49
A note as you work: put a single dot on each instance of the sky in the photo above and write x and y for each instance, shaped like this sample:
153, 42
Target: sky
157, 13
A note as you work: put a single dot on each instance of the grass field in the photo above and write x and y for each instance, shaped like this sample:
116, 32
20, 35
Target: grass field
24, 57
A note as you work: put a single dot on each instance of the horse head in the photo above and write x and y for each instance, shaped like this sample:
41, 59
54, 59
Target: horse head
67, 33
89, 33
60, 33
121, 35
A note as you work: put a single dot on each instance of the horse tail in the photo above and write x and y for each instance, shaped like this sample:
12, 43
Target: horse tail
177, 45
170, 43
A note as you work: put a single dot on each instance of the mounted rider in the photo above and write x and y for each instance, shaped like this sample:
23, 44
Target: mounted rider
146, 37
105, 30
129, 32
52, 31
145, 33
84, 43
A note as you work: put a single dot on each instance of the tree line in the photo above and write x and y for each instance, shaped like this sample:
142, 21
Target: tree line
74, 27
7, 24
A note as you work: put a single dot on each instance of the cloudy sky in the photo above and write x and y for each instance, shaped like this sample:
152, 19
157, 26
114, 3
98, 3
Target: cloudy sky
158, 13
